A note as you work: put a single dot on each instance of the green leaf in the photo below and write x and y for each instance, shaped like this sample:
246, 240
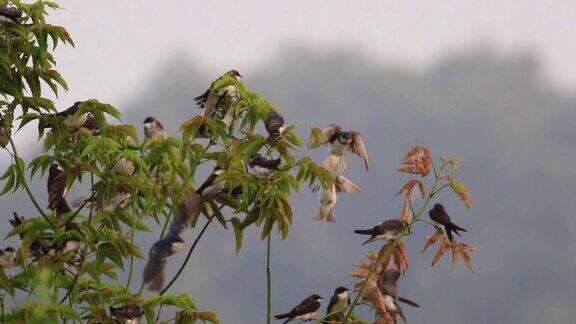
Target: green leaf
5, 283
238, 233
110, 251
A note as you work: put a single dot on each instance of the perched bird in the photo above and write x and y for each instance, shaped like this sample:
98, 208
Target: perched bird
72, 243
215, 96
338, 303
128, 314
211, 186
261, 166
119, 200
342, 142
387, 230
274, 124
329, 196
40, 246
387, 284
153, 129
305, 311
4, 139
154, 271
57, 190
123, 166
7, 258
72, 120
9, 14
440, 217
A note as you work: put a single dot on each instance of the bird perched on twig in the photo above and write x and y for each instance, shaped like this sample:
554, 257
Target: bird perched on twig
387, 230
329, 197
153, 129
305, 311
57, 190
439, 216
154, 271
72, 120
338, 303
274, 124
7, 257
216, 99
9, 14
261, 166
387, 284
210, 185
128, 314
342, 142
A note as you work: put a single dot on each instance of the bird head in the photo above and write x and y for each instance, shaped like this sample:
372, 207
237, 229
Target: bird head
316, 297
234, 73
149, 120
345, 137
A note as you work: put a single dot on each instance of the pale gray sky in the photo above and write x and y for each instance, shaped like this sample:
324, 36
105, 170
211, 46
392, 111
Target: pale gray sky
120, 42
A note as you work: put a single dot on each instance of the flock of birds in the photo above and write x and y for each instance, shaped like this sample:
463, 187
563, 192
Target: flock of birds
216, 103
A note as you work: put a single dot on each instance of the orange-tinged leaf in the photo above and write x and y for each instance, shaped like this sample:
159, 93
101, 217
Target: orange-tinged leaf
462, 192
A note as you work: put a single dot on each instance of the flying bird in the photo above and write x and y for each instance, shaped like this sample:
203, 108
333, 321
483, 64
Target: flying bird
7, 257
274, 124
329, 197
261, 166
9, 14
128, 314
154, 271
153, 129
211, 186
338, 303
342, 142
305, 311
387, 230
215, 101
387, 284
440, 217
57, 190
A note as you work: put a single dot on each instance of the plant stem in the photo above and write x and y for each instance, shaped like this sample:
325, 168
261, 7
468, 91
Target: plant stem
268, 281
23, 177
133, 229
187, 256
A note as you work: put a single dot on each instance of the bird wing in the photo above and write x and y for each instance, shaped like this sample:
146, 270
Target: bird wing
156, 266
305, 307
201, 99
407, 301
209, 181
209, 105
329, 133
343, 184
333, 302
359, 149
57, 190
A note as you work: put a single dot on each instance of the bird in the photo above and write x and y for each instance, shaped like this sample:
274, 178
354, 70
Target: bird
119, 200
387, 230
342, 142
211, 186
153, 129
329, 196
129, 314
72, 120
274, 124
338, 303
154, 271
215, 101
261, 166
4, 139
305, 311
72, 243
9, 14
387, 284
7, 257
57, 190
123, 166
439, 216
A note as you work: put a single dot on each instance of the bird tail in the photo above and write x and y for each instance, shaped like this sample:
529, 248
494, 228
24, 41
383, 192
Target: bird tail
364, 232
282, 316
345, 185
335, 163
369, 240
330, 216
407, 301
456, 228
324, 212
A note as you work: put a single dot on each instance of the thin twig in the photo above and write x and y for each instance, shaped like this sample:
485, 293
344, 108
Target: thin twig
268, 282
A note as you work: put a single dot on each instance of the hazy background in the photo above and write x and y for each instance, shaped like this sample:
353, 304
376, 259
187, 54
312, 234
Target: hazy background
490, 81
